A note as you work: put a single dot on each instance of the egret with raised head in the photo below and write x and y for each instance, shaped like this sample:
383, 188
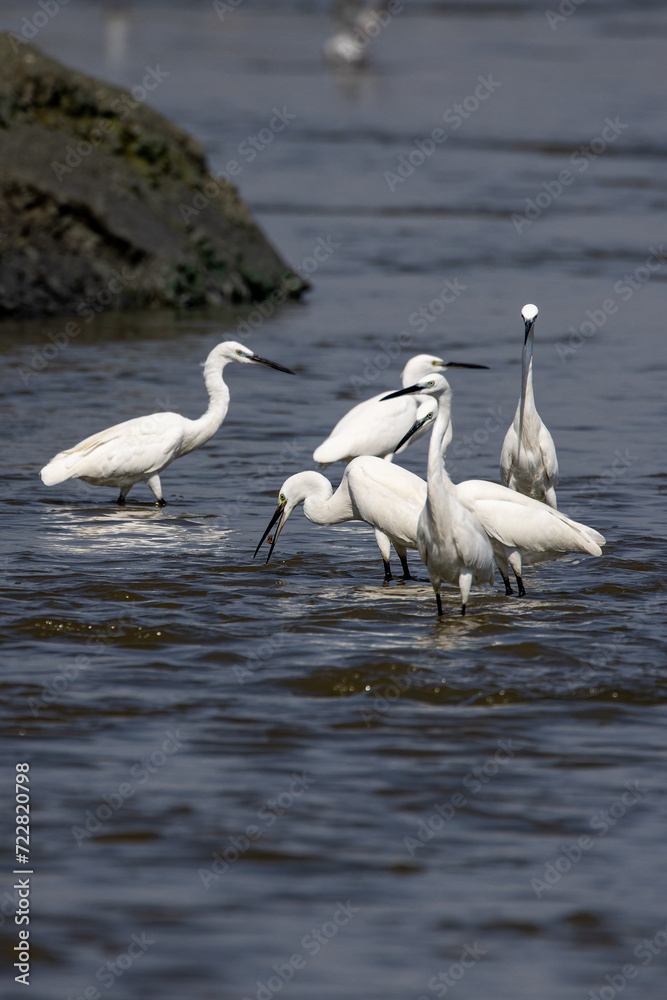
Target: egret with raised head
452, 543
520, 529
528, 461
138, 450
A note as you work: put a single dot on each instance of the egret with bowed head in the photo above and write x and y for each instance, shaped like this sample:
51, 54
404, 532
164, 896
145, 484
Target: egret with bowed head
138, 450
383, 495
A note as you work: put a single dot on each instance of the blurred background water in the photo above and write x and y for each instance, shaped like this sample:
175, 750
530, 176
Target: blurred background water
253, 780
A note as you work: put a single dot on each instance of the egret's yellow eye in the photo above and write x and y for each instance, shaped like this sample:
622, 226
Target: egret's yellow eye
240, 352
282, 498
431, 384
435, 363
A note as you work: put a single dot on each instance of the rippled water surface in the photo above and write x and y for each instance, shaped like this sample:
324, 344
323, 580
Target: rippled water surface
253, 780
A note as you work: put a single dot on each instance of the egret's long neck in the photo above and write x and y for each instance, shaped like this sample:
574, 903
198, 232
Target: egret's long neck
446, 441
199, 431
527, 374
526, 407
437, 478
323, 506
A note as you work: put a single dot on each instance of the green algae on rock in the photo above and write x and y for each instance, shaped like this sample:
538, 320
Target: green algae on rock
105, 204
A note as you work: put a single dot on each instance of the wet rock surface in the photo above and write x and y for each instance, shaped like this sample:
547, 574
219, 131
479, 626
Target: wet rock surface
105, 204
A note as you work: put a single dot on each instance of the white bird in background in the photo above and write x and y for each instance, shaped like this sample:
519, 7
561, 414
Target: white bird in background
521, 530
528, 461
383, 495
138, 450
348, 46
373, 427
452, 543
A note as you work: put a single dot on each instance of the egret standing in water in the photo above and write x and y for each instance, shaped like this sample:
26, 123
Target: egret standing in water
528, 461
138, 450
452, 543
373, 428
520, 529
383, 495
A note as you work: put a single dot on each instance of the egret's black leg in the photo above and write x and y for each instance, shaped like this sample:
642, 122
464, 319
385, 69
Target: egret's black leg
519, 583
387, 571
508, 586
407, 575
121, 500
161, 502
463, 609
439, 603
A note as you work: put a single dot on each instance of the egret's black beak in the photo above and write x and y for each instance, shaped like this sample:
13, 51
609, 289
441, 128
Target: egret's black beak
279, 510
270, 364
404, 392
528, 326
413, 430
462, 364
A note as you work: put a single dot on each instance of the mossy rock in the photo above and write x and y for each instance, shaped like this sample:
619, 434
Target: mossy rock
104, 203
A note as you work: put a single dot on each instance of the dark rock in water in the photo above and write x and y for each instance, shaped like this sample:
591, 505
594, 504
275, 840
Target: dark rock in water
106, 204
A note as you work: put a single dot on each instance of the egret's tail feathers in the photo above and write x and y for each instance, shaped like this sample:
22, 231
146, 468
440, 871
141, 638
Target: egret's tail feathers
594, 535
328, 452
55, 472
590, 539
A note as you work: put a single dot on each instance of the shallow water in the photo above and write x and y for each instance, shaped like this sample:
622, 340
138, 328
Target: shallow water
292, 763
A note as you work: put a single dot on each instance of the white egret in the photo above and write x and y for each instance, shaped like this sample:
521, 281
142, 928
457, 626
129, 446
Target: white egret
521, 530
138, 450
373, 427
348, 46
452, 543
528, 461
383, 495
